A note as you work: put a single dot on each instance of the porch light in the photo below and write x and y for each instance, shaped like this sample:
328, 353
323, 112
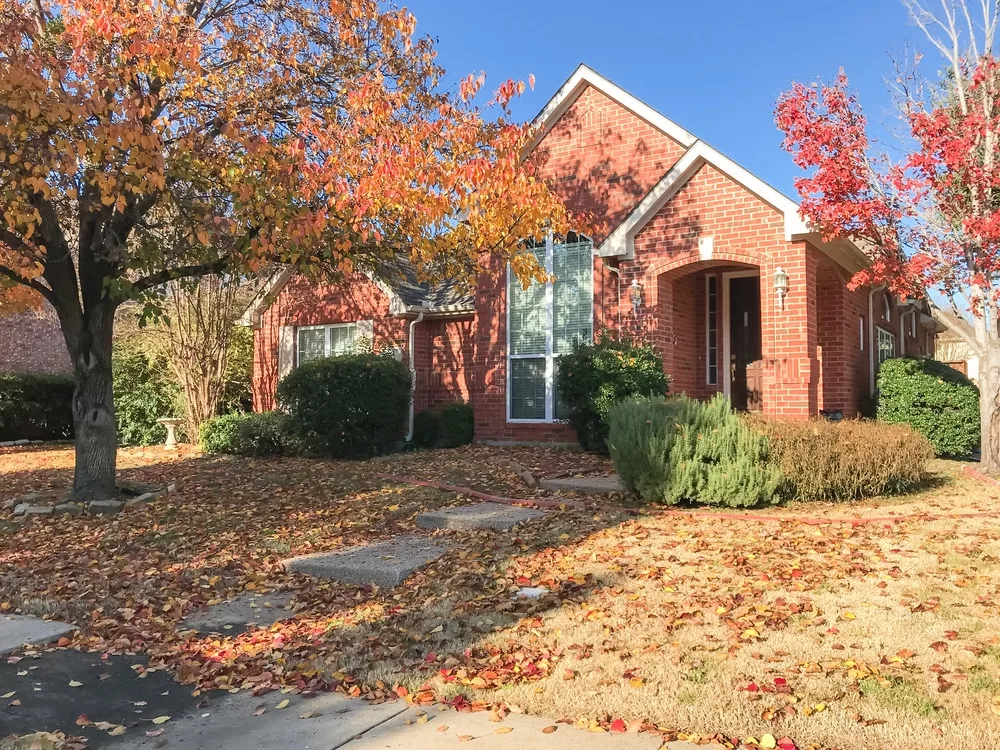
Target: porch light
781, 285
635, 294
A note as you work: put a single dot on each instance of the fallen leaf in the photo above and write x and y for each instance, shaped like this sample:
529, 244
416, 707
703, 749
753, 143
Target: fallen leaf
549, 729
161, 719
503, 730
74, 683
283, 704
465, 738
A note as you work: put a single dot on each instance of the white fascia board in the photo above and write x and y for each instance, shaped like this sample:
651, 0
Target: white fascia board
621, 240
252, 315
585, 76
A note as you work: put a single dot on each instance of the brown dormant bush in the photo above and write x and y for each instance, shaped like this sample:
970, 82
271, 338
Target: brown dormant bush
847, 460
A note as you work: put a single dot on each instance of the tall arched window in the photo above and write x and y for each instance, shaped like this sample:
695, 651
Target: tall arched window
543, 323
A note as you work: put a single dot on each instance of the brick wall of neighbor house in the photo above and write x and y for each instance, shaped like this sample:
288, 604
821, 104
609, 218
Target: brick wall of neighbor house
304, 303
33, 342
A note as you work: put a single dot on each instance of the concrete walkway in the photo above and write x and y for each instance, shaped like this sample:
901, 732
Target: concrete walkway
331, 721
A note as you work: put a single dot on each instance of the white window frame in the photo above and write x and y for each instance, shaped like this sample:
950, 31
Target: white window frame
549, 356
327, 337
887, 337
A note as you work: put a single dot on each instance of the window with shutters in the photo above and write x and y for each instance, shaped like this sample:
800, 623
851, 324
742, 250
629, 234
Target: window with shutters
544, 322
333, 340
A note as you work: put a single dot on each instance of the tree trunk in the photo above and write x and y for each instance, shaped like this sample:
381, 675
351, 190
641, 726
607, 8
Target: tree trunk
94, 409
989, 410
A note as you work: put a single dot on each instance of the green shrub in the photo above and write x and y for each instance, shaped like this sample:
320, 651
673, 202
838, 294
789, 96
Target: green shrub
680, 449
245, 434
35, 406
352, 406
426, 429
932, 398
457, 425
594, 377
449, 428
847, 460
144, 392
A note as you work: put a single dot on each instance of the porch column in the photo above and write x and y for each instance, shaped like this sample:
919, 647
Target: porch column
791, 368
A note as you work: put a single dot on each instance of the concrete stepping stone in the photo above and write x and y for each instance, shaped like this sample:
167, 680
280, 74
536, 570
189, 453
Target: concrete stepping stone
493, 516
240, 613
386, 564
586, 485
19, 630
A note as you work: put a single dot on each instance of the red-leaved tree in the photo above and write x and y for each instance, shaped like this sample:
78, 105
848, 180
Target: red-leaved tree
930, 218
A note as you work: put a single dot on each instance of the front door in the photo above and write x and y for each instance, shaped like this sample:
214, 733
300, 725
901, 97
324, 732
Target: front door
745, 371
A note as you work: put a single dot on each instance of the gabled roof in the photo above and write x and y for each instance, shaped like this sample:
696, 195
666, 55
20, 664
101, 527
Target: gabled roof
406, 294
620, 241
585, 76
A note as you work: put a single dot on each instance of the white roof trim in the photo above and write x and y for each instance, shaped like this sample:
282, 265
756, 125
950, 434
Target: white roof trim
622, 240
584, 76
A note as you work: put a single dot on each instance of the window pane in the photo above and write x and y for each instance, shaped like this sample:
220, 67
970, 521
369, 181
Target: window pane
573, 295
343, 339
312, 344
886, 346
527, 388
712, 328
527, 314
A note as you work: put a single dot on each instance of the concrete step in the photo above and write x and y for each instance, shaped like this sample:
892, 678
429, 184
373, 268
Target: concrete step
586, 485
240, 613
386, 564
491, 516
18, 630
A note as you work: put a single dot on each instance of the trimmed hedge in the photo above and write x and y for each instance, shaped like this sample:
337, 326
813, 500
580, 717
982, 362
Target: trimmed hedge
450, 428
249, 434
932, 398
594, 377
824, 460
35, 406
351, 406
682, 450
144, 392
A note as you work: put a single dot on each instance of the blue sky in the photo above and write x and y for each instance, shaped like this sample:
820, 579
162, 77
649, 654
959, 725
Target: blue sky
715, 67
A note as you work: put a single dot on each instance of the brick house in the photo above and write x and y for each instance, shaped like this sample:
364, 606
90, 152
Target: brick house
33, 342
694, 254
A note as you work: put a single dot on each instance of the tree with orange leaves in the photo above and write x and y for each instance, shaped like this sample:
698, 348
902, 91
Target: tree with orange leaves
144, 141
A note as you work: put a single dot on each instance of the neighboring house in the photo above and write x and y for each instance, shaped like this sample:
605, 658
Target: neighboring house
33, 342
953, 348
694, 254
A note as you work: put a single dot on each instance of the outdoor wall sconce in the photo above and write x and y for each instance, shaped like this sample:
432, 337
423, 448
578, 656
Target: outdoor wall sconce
780, 285
635, 294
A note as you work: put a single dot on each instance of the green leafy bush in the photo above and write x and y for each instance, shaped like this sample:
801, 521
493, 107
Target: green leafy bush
449, 428
237, 394
352, 406
932, 398
847, 460
245, 434
594, 377
456, 425
426, 429
35, 406
144, 392
679, 449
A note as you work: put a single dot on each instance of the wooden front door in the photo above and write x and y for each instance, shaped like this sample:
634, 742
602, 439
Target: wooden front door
745, 367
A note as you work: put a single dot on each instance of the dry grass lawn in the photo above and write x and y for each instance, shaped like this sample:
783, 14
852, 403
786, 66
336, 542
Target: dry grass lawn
879, 635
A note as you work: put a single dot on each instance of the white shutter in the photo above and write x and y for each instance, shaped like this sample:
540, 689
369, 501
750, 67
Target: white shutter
286, 350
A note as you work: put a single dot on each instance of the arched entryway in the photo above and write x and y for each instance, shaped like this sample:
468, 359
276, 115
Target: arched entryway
708, 326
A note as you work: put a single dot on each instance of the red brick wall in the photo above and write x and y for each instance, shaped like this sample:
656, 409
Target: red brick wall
601, 159
445, 349
33, 342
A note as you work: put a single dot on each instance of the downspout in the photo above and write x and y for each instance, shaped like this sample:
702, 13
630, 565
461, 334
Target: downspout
413, 373
871, 338
871, 335
902, 335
